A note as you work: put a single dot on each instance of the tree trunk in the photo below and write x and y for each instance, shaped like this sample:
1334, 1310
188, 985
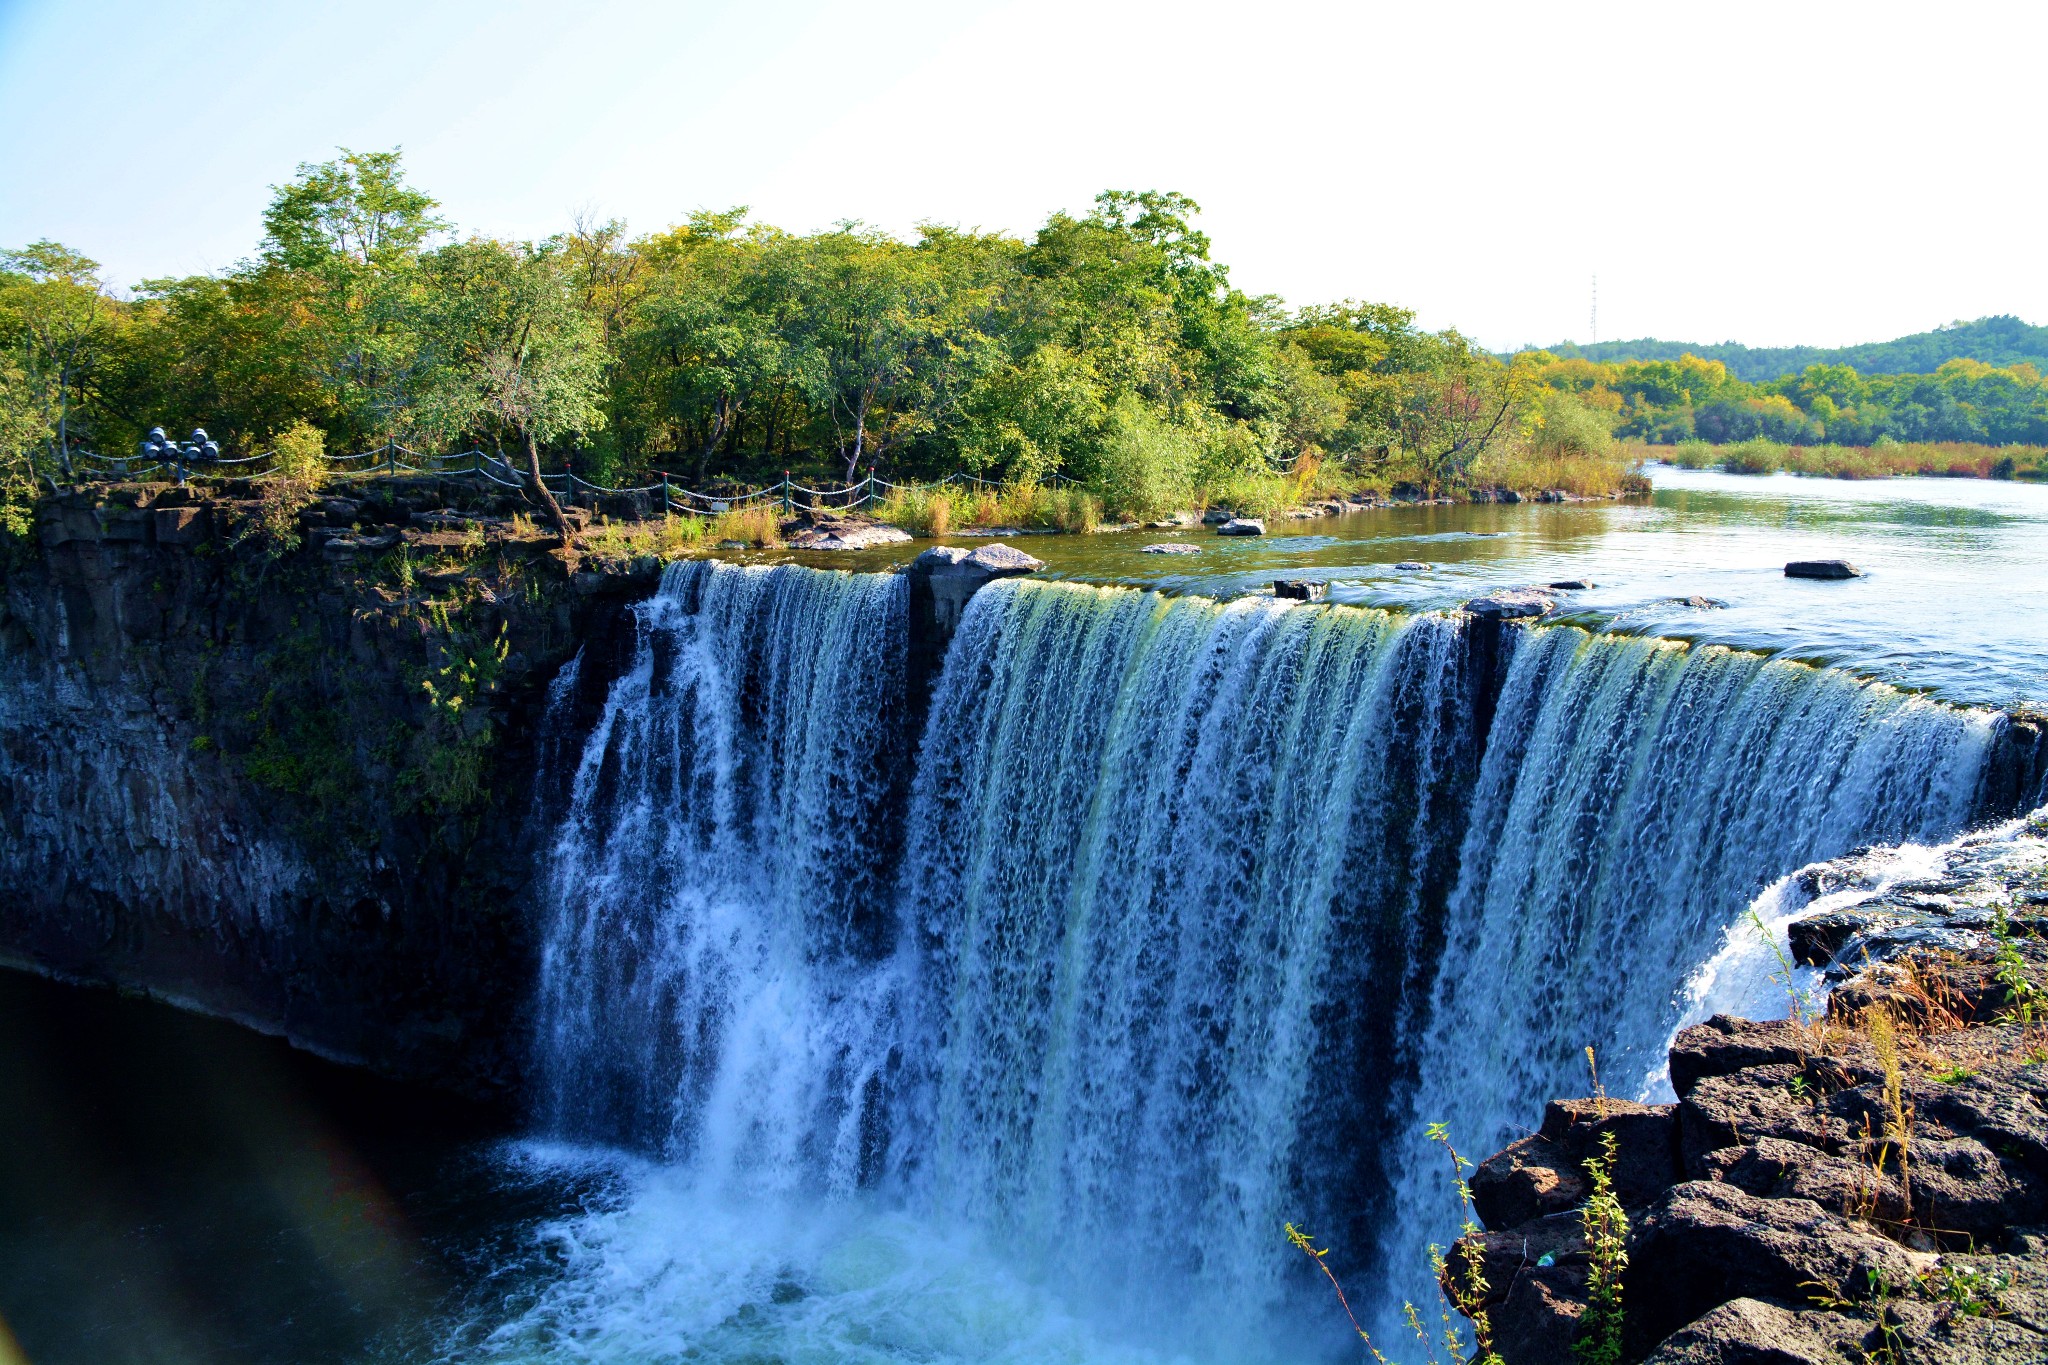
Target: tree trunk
718, 426
540, 489
63, 426
860, 437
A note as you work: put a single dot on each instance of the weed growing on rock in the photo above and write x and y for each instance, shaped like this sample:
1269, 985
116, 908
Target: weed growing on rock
1801, 1008
2022, 997
1605, 1227
1884, 1041
1464, 1289
1972, 1293
1466, 1286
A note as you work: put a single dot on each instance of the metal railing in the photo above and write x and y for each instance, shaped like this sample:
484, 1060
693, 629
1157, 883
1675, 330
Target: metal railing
392, 459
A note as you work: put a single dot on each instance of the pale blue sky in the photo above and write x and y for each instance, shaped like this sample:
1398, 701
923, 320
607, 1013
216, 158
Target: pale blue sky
1770, 172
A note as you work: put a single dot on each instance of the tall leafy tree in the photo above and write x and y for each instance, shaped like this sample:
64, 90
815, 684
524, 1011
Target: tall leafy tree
56, 315
512, 352
342, 244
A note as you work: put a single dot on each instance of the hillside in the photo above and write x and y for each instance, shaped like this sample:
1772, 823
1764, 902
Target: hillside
2001, 340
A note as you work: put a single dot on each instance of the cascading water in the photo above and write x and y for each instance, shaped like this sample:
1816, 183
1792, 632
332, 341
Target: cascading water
719, 887
1182, 920
1636, 795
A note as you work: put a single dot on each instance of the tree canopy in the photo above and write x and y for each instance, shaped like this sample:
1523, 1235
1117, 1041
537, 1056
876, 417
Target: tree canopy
1108, 346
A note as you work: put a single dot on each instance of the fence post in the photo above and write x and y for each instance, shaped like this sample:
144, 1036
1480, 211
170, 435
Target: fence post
390, 457
787, 506
664, 496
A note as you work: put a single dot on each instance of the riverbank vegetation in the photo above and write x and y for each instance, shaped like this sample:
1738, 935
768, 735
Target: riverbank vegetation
1889, 459
1106, 352
1104, 368
1664, 402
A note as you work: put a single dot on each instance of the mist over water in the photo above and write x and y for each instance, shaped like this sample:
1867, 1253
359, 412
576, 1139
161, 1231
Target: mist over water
1021, 1039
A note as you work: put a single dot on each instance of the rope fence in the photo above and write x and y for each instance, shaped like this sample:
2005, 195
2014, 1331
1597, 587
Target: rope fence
392, 459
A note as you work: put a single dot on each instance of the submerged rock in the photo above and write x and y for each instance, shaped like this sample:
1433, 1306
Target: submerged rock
1167, 547
1697, 603
1822, 568
1411, 565
1571, 585
1242, 526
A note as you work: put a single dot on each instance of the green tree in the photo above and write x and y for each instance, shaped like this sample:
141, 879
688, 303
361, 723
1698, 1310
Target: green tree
512, 352
55, 315
342, 246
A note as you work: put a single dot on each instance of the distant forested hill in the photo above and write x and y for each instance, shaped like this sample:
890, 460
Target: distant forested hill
2001, 341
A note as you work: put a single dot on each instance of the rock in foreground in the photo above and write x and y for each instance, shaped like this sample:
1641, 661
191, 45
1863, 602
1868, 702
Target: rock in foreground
1871, 1185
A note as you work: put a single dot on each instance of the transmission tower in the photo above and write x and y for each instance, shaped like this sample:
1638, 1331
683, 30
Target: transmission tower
1595, 321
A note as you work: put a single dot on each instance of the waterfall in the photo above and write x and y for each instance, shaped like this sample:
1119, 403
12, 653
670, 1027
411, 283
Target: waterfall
1176, 923
719, 887
1636, 796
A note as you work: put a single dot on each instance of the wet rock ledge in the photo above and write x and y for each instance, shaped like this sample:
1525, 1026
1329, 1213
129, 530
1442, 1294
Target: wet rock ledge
1871, 1185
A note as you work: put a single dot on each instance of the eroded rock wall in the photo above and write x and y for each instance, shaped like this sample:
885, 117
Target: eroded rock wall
284, 776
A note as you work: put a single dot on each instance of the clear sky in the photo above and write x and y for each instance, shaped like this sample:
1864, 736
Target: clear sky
1770, 173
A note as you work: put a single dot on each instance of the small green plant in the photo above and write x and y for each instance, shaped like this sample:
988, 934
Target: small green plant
1975, 1293
1954, 1075
1465, 1287
1464, 1290
1308, 1247
1799, 1001
2021, 995
1605, 1228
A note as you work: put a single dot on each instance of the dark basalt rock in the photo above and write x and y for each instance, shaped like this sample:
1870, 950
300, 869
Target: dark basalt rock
1708, 1243
1300, 589
1725, 1045
1512, 604
1753, 1332
1822, 568
1781, 1216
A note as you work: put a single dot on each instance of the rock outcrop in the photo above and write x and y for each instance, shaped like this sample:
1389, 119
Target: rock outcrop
1871, 1184
273, 761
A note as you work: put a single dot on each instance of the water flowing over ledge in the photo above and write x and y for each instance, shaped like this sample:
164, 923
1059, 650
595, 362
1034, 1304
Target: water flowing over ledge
1177, 920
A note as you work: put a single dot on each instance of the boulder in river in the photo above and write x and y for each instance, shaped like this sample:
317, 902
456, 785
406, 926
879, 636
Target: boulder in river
1169, 547
1300, 589
1411, 565
947, 575
1242, 526
1822, 568
1512, 604
1571, 585
843, 533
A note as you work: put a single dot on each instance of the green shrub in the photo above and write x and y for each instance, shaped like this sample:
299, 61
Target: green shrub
299, 451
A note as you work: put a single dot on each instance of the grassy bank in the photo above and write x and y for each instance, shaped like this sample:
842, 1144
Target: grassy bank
1944, 459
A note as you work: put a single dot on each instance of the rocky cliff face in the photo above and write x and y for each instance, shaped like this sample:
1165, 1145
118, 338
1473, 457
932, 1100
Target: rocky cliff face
1869, 1186
274, 763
